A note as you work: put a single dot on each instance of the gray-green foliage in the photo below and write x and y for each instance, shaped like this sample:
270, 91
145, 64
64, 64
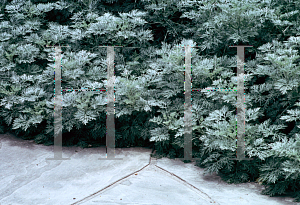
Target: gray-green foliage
276, 62
31, 47
149, 85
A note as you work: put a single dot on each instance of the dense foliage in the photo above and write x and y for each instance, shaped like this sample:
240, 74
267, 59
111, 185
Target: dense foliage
149, 87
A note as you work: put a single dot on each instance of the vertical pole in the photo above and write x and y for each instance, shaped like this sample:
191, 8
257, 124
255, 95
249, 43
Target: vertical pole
57, 108
187, 106
110, 117
240, 153
188, 151
240, 104
110, 123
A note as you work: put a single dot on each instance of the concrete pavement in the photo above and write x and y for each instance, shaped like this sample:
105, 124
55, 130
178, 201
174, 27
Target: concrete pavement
26, 177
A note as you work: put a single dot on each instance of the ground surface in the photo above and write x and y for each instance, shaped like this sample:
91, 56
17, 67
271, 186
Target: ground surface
26, 177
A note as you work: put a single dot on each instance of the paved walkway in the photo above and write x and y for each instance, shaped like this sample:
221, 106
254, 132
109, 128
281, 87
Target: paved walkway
26, 177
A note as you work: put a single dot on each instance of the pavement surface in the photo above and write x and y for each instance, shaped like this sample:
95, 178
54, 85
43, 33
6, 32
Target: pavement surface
27, 178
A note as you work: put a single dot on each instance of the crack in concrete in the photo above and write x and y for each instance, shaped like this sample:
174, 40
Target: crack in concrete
152, 162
